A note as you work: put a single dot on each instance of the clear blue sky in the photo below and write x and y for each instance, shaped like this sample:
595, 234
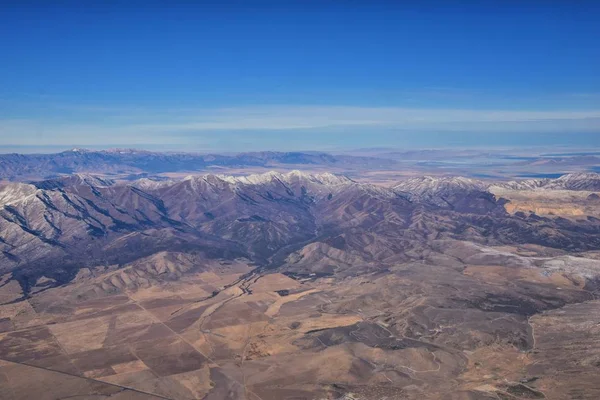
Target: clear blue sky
289, 75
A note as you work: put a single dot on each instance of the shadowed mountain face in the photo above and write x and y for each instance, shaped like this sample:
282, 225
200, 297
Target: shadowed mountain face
252, 285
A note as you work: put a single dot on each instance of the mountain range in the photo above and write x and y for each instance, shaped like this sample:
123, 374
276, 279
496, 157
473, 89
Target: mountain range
300, 285
64, 223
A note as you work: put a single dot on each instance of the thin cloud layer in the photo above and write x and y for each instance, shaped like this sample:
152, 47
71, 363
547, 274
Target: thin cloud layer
155, 127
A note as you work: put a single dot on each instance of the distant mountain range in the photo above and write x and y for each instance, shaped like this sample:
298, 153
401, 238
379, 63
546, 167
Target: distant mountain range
138, 163
131, 164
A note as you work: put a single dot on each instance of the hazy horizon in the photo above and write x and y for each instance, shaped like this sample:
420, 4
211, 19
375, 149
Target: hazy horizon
553, 142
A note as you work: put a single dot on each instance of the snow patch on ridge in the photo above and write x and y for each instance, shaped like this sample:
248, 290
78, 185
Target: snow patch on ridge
16, 192
430, 185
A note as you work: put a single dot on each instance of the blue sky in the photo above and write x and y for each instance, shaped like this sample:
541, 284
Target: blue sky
313, 75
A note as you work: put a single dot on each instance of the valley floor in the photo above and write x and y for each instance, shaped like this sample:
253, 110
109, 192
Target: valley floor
228, 331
